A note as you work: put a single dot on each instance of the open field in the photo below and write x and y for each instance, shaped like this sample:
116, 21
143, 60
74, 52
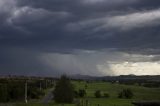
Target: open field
140, 93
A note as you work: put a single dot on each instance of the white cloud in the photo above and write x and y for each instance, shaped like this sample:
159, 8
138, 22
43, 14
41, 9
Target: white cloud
138, 68
125, 64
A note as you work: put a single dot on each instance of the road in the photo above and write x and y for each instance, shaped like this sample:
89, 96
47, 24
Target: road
47, 98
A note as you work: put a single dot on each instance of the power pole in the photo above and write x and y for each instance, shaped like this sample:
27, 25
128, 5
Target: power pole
46, 84
26, 92
40, 86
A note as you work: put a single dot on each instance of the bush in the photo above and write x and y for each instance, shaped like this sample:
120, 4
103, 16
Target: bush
98, 94
82, 92
125, 93
35, 93
76, 94
86, 86
106, 95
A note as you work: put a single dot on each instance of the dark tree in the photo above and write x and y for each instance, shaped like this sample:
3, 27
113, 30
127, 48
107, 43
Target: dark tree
76, 94
126, 93
86, 86
106, 95
82, 92
64, 91
35, 93
98, 94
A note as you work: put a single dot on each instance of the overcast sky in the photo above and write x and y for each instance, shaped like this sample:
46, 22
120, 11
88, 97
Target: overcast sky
91, 37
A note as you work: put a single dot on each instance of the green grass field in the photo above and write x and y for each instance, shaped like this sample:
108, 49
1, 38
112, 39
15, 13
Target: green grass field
140, 93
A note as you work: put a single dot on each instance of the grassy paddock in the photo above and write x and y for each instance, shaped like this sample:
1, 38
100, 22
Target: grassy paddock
140, 93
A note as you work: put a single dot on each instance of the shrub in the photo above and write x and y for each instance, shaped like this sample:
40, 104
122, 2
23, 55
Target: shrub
35, 93
86, 86
126, 93
106, 95
76, 94
82, 92
97, 94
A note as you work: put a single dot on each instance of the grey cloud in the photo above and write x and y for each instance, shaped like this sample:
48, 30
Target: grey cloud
28, 15
19, 61
122, 22
52, 27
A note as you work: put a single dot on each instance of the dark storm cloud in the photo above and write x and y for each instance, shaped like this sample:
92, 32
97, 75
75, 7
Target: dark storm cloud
60, 26
17, 61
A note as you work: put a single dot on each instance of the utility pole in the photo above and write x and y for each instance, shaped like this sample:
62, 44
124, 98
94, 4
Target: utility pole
26, 92
40, 86
46, 84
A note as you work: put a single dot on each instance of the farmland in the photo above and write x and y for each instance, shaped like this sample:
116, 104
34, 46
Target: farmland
112, 89
140, 93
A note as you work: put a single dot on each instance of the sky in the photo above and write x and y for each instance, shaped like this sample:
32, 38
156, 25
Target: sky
89, 37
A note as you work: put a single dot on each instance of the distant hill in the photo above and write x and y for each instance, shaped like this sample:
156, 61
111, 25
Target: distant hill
117, 78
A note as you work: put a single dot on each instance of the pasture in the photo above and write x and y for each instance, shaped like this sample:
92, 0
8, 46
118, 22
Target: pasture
140, 93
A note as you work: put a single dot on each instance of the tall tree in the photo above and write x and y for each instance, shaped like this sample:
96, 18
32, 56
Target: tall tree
64, 90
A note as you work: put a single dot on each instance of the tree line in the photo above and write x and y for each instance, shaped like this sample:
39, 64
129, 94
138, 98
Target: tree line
12, 90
